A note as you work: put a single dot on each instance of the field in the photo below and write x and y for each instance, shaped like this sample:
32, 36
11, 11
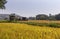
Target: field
42, 21
25, 31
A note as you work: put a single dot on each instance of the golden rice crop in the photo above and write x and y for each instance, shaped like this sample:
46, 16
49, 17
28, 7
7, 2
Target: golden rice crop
24, 31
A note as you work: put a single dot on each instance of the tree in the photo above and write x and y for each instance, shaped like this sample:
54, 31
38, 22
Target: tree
2, 4
51, 17
24, 18
12, 17
57, 17
41, 17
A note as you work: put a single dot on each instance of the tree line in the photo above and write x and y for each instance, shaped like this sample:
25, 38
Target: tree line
46, 17
13, 17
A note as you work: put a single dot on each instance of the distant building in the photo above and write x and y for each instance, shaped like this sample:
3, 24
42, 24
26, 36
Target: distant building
18, 17
7, 17
4, 16
24, 18
32, 18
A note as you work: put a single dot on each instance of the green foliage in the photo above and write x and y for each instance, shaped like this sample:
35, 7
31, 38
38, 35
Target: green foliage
3, 21
7, 21
57, 16
41, 17
12, 17
55, 25
2, 4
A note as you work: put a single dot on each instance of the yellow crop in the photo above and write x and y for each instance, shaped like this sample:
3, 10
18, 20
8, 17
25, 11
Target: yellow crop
24, 31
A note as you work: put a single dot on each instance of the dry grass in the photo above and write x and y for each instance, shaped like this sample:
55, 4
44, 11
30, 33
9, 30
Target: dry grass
24, 31
42, 21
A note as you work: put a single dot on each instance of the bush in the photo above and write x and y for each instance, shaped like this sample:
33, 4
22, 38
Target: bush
53, 25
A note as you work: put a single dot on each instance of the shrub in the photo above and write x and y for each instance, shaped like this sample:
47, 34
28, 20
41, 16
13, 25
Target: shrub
53, 25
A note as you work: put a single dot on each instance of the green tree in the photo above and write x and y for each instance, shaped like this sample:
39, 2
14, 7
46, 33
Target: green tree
41, 17
2, 4
57, 16
51, 17
12, 17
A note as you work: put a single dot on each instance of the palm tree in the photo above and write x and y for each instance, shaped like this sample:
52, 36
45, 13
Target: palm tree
2, 4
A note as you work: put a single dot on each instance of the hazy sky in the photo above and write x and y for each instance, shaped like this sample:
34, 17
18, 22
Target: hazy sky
32, 7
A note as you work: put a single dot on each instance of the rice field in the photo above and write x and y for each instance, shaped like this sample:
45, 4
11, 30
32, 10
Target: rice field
24, 31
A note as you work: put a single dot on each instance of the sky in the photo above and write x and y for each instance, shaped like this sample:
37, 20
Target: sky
30, 8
